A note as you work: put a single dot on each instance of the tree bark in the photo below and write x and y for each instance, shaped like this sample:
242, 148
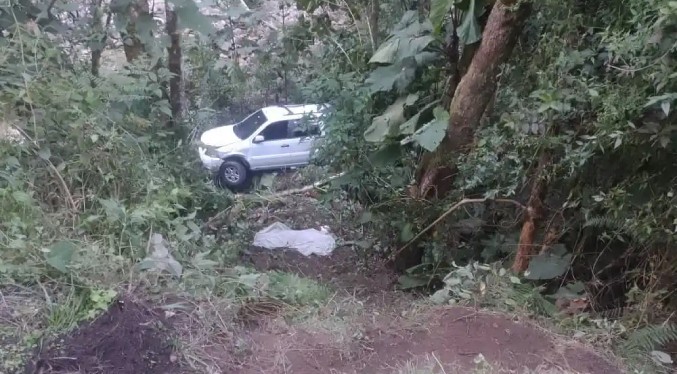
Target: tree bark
100, 35
473, 94
174, 62
133, 46
534, 214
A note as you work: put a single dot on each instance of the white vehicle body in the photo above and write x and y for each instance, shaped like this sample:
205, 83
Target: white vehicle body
273, 137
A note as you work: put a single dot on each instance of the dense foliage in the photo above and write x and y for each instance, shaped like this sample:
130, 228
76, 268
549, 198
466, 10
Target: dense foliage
581, 127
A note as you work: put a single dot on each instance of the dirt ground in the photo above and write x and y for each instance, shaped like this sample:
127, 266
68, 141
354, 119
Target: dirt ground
383, 339
366, 327
129, 338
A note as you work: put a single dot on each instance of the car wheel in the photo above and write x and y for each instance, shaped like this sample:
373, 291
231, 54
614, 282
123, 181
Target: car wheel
232, 174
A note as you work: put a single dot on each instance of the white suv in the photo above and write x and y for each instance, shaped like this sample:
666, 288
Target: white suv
275, 137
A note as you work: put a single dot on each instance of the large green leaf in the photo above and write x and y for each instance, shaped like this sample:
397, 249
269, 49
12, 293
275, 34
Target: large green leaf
411, 47
430, 135
469, 30
388, 124
60, 255
386, 53
409, 127
398, 76
438, 10
399, 48
548, 266
190, 17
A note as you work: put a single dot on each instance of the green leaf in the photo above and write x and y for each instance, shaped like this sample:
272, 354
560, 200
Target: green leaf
386, 53
388, 124
430, 135
438, 10
190, 17
409, 127
398, 76
399, 48
60, 255
547, 266
407, 232
44, 153
114, 210
409, 25
409, 47
469, 31
22, 198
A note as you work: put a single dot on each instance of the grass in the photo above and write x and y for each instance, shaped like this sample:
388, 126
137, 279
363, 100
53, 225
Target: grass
432, 365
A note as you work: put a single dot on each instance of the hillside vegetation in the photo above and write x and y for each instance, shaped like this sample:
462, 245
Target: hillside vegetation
505, 170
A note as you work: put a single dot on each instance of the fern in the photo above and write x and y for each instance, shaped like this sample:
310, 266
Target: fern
605, 222
650, 337
618, 224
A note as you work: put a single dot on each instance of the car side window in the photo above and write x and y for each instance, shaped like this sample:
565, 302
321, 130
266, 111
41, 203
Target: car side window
275, 131
302, 129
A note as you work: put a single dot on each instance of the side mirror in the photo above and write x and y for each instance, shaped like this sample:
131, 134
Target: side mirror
258, 139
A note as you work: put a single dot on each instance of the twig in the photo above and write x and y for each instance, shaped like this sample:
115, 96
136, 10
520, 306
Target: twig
451, 210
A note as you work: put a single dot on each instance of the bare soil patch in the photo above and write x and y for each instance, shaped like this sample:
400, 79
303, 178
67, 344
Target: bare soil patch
455, 336
128, 338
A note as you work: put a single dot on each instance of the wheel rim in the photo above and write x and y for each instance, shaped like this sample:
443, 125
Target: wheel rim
231, 174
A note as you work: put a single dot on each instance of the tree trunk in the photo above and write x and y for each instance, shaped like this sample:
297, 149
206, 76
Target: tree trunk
174, 62
99, 37
473, 94
534, 214
131, 42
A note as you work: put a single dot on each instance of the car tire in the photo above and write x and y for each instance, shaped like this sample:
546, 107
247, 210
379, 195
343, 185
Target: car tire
232, 174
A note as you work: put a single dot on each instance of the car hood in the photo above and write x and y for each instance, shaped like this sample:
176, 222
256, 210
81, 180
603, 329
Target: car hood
219, 136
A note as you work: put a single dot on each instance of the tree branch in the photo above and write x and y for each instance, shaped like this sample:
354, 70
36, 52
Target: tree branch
451, 210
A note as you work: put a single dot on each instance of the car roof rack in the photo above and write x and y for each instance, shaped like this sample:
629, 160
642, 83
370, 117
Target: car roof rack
289, 111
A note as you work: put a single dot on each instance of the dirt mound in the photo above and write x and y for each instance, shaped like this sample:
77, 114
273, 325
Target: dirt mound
128, 338
454, 337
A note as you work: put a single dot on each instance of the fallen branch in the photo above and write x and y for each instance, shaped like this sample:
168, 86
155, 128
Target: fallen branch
298, 190
209, 224
448, 212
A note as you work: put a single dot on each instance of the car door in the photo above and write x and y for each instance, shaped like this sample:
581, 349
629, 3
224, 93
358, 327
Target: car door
302, 134
273, 151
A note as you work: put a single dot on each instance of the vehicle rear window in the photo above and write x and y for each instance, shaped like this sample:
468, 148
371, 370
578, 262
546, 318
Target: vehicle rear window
303, 128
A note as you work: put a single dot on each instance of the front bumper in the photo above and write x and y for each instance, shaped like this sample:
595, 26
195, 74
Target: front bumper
209, 162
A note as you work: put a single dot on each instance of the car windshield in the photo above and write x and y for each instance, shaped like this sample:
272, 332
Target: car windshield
247, 126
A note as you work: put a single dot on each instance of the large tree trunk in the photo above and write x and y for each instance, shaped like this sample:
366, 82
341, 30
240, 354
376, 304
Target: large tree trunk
174, 62
131, 42
473, 94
